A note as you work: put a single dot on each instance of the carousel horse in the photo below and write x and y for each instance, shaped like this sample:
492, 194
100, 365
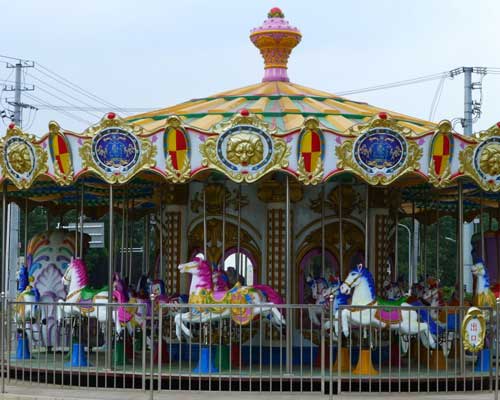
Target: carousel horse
202, 292
48, 255
81, 295
483, 295
129, 317
320, 292
339, 299
443, 323
360, 284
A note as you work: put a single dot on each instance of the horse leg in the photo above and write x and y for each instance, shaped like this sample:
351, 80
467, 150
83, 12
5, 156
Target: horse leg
277, 317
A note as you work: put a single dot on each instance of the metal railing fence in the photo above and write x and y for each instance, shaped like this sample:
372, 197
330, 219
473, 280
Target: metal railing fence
241, 347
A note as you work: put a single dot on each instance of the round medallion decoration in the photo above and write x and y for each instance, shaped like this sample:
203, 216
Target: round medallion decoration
19, 158
486, 159
115, 150
244, 149
380, 151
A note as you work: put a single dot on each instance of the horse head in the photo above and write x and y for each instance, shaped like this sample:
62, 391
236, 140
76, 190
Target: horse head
157, 287
200, 269
77, 267
353, 279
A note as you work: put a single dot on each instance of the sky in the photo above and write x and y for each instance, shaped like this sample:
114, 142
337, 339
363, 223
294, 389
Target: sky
157, 53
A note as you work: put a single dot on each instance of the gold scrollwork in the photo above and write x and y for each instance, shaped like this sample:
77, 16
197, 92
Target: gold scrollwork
61, 177
310, 178
180, 175
147, 156
345, 154
22, 160
486, 148
245, 148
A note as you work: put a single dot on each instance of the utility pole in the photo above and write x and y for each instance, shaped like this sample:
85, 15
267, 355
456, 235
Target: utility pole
13, 212
472, 110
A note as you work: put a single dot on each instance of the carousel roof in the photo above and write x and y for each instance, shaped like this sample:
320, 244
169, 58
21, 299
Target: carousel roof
276, 100
246, 134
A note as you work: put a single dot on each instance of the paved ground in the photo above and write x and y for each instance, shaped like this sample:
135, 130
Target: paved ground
50, 392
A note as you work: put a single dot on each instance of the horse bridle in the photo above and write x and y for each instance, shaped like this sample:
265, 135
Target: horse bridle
350, 285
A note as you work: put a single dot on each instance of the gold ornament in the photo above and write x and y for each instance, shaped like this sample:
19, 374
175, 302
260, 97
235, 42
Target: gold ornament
244, 135
19, 157
245, 149
345, 153
473, 330
489, 159
23, 159
444, 178
146, 158
182, 174
61, 177
480, 160
313, 177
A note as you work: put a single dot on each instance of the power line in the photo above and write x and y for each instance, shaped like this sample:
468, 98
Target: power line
55, 76
62, 92
64, 112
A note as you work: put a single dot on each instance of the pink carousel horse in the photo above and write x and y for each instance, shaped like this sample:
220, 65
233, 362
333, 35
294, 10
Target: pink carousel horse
202, 292
127, 316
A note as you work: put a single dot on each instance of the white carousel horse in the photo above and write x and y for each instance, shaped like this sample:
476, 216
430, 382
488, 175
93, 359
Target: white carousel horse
360, 283
264, 298
81, 295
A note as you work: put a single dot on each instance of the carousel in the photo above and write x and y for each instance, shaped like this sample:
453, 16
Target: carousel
271, 257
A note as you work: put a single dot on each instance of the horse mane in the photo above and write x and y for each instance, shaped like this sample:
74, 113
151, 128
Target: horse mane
205, 274
81, 271
369, 278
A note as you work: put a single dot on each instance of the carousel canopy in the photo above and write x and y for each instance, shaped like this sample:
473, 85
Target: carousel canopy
244, 135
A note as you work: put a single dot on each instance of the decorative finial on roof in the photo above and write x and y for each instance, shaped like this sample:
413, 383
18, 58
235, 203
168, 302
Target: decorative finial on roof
275, 39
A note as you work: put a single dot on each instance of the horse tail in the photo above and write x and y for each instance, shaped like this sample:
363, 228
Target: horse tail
271, 295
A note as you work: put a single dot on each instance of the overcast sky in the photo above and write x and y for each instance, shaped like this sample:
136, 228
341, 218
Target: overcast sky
156, 53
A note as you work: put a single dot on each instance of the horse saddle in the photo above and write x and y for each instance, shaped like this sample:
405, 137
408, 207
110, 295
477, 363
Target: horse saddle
389, 312
88, 293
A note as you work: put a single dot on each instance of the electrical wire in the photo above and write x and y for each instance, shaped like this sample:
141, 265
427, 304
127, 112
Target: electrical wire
66, 113
437, 97
391, 85
62, 92
55, 76
93, 115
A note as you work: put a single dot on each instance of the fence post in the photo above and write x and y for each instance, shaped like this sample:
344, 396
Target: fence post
152, 347
2, 337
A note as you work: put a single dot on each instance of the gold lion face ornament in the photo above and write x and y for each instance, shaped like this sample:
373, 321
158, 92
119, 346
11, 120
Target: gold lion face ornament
245, 149
489, 161
19, 158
